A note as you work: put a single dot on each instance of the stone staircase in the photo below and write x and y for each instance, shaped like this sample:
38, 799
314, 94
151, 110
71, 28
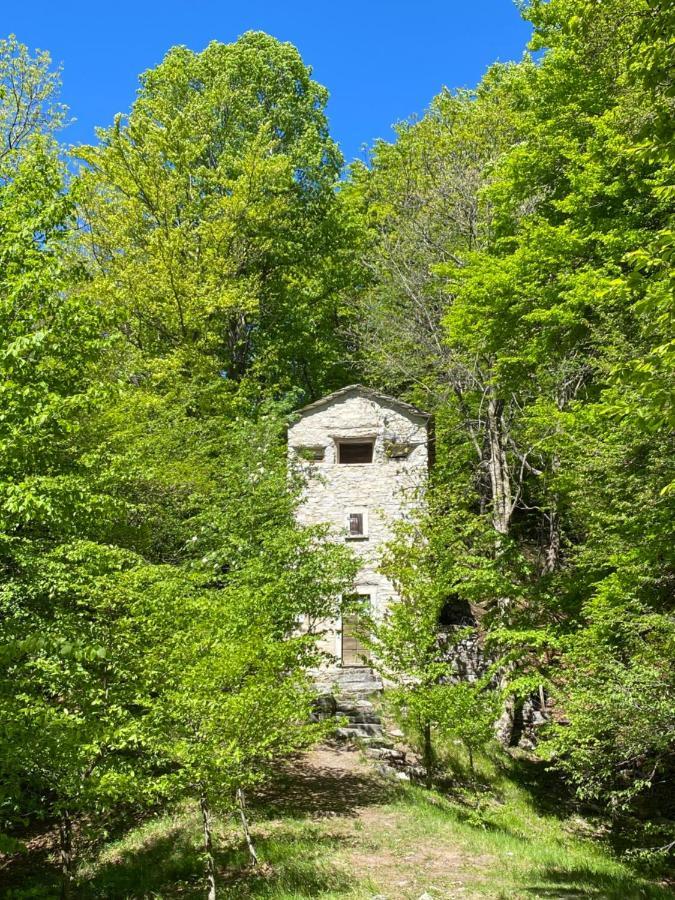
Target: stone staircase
347, 692
363, 721
355, 681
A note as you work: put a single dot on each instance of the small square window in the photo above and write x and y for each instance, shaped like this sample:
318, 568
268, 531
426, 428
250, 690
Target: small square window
353, 453
356, 524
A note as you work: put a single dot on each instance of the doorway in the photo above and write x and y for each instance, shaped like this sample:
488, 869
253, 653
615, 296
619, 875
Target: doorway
354, 652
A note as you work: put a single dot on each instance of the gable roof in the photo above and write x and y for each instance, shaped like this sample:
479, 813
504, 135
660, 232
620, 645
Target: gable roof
365, 392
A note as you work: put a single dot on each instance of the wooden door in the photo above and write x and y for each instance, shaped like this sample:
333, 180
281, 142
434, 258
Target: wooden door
353, 651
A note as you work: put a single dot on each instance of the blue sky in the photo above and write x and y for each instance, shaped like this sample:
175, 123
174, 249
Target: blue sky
381, 62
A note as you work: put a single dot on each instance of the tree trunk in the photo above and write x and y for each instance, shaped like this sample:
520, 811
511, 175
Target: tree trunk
552, 551
428, 756
506, 723
66, 853
500, 481
208, 848
241, 803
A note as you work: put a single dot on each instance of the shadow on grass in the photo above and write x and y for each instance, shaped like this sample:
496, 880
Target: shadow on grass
456, 808
162, 861
170, 863
547, 792
309, 789
293, 865
172, 866
295, 861
584, 882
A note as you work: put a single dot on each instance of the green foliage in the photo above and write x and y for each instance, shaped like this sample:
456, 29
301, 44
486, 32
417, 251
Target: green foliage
74, 724
616, 688
519, 245
234, 695
161, 315
212, 220
153, 574
468, 715
51, 356
421, 665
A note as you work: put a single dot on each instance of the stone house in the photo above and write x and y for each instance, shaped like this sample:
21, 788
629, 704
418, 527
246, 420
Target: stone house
366, 458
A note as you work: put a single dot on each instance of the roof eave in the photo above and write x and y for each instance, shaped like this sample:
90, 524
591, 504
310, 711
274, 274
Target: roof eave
373, 394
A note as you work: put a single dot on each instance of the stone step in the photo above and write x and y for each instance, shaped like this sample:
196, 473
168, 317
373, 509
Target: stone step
375, 740
363, 688
352, 692
352, 683
363, 719
349, 688
348, 706
354, 673
357, 711
353, 702
345, 692
363, 729
388, 754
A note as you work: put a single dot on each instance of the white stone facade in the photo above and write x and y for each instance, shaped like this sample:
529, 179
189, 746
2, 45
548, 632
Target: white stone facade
376, 494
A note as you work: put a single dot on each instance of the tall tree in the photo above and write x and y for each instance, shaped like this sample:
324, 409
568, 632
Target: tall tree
423, 203
151, 564
52, 354
229, 694
552, 506
211, 218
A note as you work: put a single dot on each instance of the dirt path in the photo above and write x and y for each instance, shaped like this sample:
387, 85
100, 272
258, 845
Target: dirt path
328, 781
379, 840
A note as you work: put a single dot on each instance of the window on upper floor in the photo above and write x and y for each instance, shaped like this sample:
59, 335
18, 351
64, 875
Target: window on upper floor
355, 452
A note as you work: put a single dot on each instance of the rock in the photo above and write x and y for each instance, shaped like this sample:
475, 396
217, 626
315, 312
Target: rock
359, 730
374, 740
324, 707
348, 704
360, 716
389, 771
385, 753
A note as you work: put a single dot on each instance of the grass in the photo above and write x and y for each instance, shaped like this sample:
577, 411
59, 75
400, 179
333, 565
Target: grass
332, 829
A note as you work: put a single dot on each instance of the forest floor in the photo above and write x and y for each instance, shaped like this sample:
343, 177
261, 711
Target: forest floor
331, 828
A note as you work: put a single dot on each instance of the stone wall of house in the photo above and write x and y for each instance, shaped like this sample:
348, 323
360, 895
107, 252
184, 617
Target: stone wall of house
388, 490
